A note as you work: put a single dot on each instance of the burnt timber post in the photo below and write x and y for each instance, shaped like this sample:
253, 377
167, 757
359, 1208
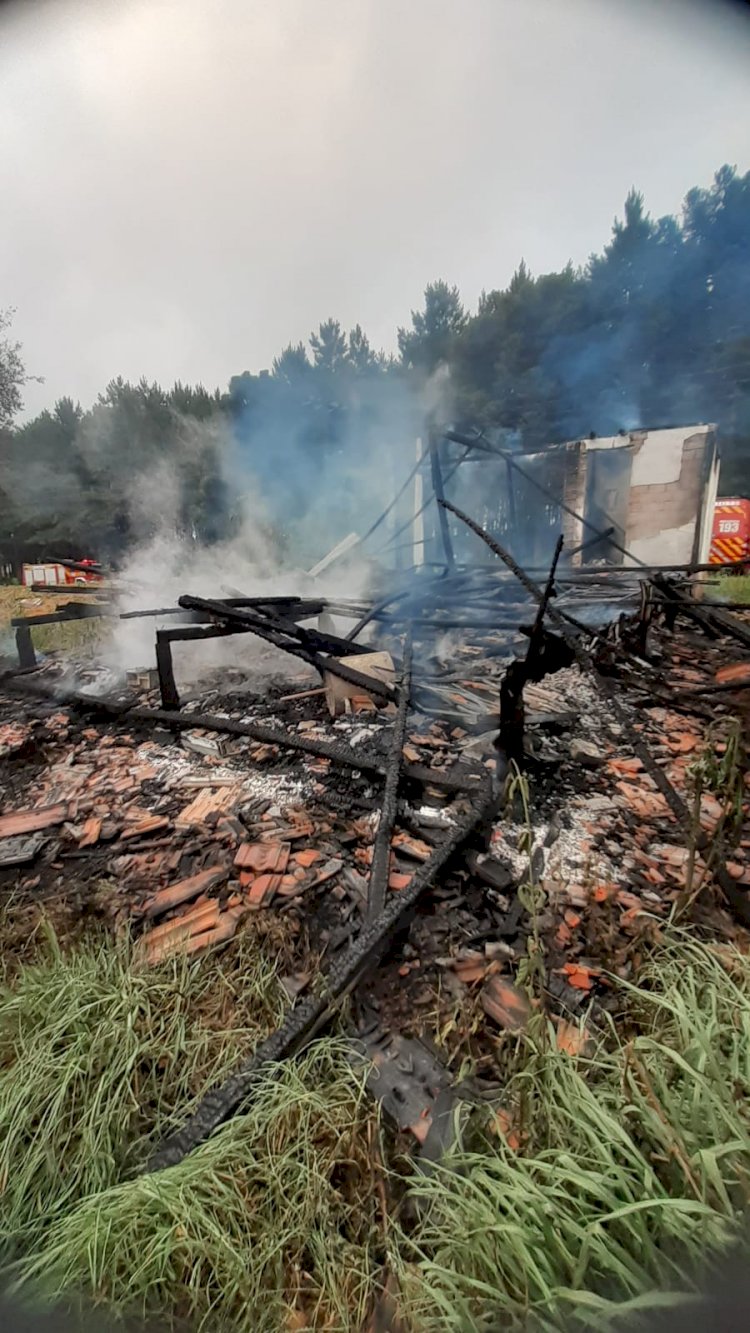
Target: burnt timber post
25, 648
437, 486
170, 698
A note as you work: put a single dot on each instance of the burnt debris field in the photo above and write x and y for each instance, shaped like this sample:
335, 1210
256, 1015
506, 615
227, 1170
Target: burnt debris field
403, 983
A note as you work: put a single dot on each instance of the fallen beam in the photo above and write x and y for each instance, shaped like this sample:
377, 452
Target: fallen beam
739, 901
381, 852
308, 1016
279, 635
510, 740
359, 760
268, 624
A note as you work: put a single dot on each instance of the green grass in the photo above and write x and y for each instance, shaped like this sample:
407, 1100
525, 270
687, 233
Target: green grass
729, 588
98, 1060
79, 636
71, 636
634, 1166
102, 1055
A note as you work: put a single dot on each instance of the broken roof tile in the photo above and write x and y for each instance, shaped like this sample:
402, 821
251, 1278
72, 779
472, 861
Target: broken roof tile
30, 821
263, 857
184, 890
208, 802
506, 1004
262, 890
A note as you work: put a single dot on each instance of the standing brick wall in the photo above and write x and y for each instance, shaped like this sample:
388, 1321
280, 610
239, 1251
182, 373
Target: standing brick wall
653, 509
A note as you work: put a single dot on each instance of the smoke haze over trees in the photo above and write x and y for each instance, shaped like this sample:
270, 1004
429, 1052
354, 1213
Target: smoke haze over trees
653, 331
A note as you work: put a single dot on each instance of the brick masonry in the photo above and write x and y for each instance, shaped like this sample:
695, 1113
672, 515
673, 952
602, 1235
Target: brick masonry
654, 509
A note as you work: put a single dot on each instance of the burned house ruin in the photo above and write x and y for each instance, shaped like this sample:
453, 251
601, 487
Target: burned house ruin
512, 709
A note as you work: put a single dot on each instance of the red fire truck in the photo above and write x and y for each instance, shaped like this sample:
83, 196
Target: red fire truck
71, 573
730, 539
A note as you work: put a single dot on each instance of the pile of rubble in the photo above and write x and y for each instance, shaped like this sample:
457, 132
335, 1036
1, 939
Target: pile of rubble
384, 816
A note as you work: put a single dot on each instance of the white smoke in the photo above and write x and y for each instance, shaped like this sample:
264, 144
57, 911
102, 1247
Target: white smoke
249, 564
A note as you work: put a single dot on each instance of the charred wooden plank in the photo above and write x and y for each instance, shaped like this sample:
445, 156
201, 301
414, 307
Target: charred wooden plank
307, 1017
281, 637
381, 852
738, 901
460, 779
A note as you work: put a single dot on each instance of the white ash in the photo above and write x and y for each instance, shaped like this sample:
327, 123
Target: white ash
566, 861
173, 766
435, 816
360, 734
357, 732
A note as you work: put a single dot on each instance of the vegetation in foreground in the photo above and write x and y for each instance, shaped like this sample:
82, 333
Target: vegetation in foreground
730, 588
75, 635
630, 1164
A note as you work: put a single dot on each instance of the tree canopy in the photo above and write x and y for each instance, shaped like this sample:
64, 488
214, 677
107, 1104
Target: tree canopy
12, 373
653, 330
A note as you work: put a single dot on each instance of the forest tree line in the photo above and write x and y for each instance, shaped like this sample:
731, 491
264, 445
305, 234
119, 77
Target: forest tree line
652, 331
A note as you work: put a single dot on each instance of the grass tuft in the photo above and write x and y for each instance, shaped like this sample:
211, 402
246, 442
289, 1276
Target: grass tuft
97, 1059
632, 1170
729, 588
273, 1214
635, 1166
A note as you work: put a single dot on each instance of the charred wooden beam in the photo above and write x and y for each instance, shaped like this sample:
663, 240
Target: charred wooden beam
280, 637
535, 637
271, 626
81, 589
23, 626
72, 611
25, 647
381, 852
170, 697
437, 486
310, 1015
460, 779
186, 617
739, 901
532, 667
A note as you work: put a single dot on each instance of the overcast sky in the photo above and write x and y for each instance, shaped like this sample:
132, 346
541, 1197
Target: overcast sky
187, 185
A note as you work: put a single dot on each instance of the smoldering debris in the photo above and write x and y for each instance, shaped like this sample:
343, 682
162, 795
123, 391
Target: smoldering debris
468, 760
277, 802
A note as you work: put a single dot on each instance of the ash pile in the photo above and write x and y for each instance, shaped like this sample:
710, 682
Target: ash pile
518, 773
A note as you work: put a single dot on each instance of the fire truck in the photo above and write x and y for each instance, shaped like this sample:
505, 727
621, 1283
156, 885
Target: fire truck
730, 539
62, 573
